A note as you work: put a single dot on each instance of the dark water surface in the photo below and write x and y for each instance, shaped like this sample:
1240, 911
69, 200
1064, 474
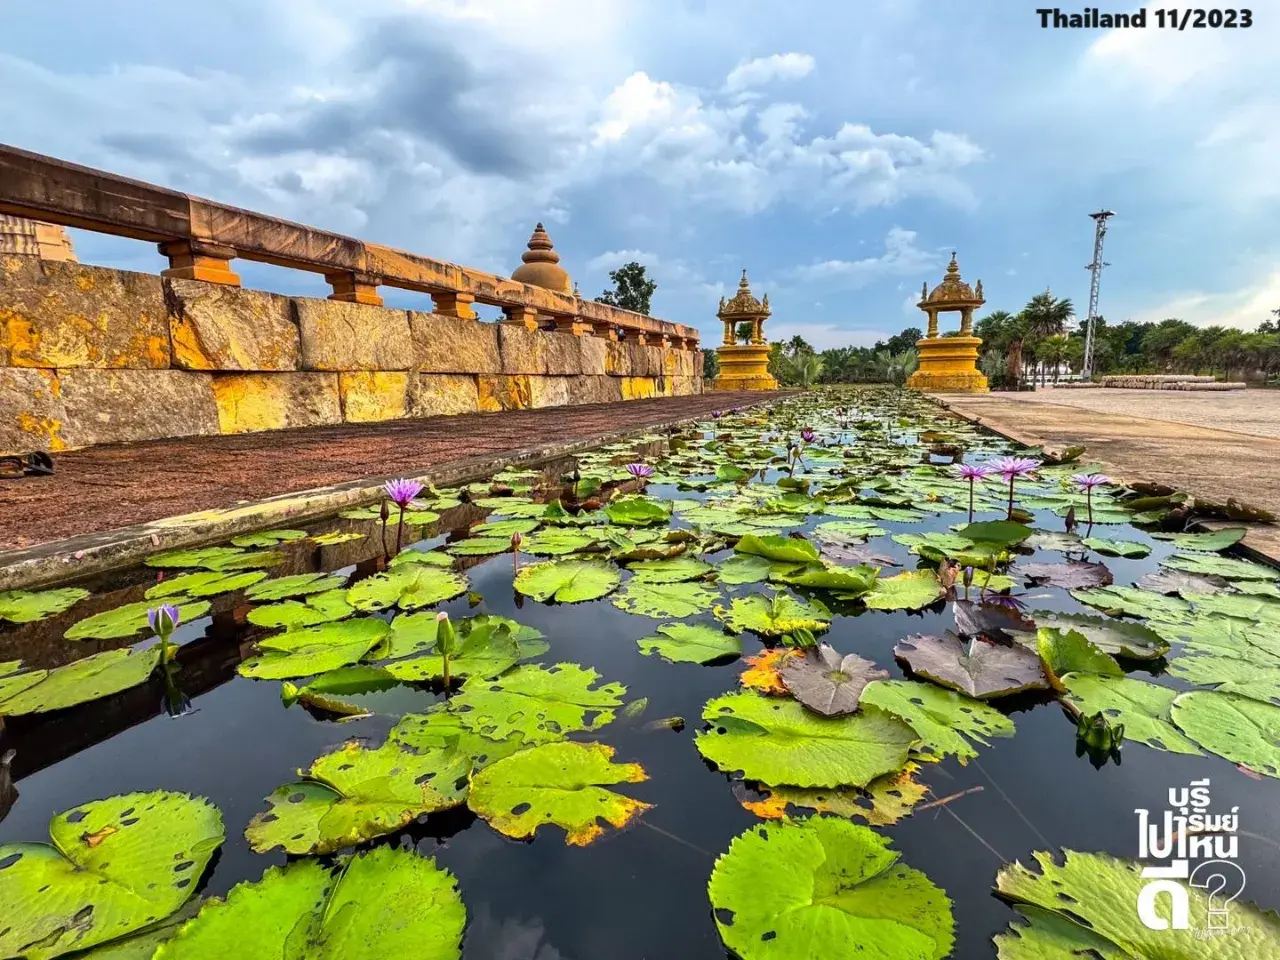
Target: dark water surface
639, 894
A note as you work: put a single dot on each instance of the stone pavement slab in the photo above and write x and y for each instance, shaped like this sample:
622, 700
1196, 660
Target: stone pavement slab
105, 488
1214, 464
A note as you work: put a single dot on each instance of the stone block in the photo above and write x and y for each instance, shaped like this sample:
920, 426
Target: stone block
337, 335
368, 396
58, 314
685, 386
549, 391
504, 393
639, 388
595, 389
564, 354
647, 361
522, 351
118, 406
452, 345
31, 411
217, 327
617, 358
247, 402
442, 394
594, 352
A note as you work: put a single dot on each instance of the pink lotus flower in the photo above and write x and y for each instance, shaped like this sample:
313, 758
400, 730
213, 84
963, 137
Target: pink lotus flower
807, 435
641, 471
1011, 468
972, 472
1090, 480
402, 492
717, 414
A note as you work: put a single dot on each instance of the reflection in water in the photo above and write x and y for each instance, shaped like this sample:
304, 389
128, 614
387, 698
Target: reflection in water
507, 939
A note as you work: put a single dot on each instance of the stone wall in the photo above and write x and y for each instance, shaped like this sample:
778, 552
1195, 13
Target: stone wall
90, 355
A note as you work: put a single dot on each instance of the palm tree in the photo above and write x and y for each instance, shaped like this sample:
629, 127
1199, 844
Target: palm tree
895, 368
1055, 351
1047, 317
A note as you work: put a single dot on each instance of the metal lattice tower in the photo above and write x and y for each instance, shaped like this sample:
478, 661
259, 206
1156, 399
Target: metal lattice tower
1095, 270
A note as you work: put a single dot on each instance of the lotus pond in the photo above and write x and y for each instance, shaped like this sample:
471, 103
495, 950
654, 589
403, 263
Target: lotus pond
787, 684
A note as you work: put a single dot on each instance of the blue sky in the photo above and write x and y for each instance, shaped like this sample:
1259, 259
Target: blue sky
838, 151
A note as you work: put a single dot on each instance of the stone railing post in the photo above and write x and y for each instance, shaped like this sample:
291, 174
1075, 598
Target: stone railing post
454, 305
521, 316
606, 330
197, 260
354, 288
638, 337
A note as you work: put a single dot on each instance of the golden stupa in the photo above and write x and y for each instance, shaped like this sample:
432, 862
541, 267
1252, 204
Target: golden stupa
949, 364
744, 366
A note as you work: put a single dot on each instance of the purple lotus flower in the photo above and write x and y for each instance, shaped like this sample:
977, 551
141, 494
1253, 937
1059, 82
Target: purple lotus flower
402, 492
641, 471
1090, 480
163, 620
717, 414
972, 472
1011, 468
737, 409
807, 435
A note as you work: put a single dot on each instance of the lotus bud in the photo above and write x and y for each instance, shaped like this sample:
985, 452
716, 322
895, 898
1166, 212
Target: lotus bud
446, 636
516, 540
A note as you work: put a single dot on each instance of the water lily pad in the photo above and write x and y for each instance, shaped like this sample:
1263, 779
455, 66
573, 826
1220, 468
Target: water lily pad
776, 740
1117, 600
637, 511
847, 530
675, 570
948, 723
268, 538
20, 606
205, 583
691, 643
1054, 540
898, 514
1204, 542
291, 614
977, 667
215, 558
828, 683
885, 801
485, 649
774, 616
115, 866
1085, 891
995, 531
40, 691
1241, 729
299, 585
432, 558
540, 704
129, 620
386, 903
505, 528
764, 670
910, 590
663, 600
1070, 652
849, 582
408, 587
743, 568
1117, 637
1180, 583
334, 538
1142, 707
1241, 606
556, 542
479, 546
556, 783
311, 650
355, 794
567, 581
777, 549
325, 692
1228, 567
1260, 681
1073, 575
812, 888
1116, 548
441, 728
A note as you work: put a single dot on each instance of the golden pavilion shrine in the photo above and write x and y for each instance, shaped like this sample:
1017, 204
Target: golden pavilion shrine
949, 364
744, 366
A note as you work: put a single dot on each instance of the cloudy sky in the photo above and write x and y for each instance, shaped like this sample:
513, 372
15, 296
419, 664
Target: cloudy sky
837, 150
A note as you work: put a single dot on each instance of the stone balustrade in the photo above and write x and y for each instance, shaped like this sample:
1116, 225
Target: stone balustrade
1168, 381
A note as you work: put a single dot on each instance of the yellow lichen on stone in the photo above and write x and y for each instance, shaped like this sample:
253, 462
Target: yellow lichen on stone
247, 403
369, 396
639, 388
43, 429
505, 393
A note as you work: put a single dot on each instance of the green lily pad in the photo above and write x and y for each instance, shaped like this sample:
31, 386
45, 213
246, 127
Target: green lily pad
540, 704
314, 609
848, 581
479, 546
558, 542
1133, 601
1120, 638
1222, 637
215, 558
898, 514
1228, 567
775, 740
386, 903
325, 691
441, 728
910, 590
947, 722
1116, 548
774, 616
1255, 609
691, 643
637, 512
41, 691
115, 866
662, 600
1241, 729
487, 649
432, 558
675, 570
777, 549
1204, 542
355, 794
742, 568
885, 801
1259, 681
129, 620
299, 585
311, 650
1096, 894
845, 530
556, 783
1054, 540
1071, 652
995, 531
567, 581
815, 887
408, 587
332, 539
1142, 707
19, 606
268, 538
505, 528
205, 583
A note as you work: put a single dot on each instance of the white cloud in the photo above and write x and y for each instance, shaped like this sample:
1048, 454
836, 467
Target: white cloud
612, 259
763, 70
823, 336
901, 257
1243, 308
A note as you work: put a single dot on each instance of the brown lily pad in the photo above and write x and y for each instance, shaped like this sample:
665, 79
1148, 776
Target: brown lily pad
978, 668
1168, 581
1072, 575
828, 683
999, 621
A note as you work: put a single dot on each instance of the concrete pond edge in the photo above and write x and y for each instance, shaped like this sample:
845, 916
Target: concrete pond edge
60, 561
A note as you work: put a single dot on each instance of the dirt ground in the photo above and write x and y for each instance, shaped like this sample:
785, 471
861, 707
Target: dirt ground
104, 488
1215, 446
